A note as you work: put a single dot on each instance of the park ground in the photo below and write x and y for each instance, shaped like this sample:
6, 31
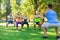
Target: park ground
26, 34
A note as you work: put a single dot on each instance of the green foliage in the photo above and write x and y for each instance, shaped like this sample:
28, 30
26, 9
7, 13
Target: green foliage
26, 6
0, 1
18, 2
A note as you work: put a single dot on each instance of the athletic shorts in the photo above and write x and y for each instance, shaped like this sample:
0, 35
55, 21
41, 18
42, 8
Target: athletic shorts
49, 25
25, 22
37, 23
19, 23
10, 22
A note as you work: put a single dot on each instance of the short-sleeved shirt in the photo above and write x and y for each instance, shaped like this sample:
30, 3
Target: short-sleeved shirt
51, 16
19, 18
37, 18
10, 18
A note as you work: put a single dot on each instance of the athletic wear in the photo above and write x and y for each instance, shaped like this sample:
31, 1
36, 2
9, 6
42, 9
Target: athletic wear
48, 25
19, 23
37, 23
51, 16
37, 18
18, 18
52, 19
10, 22
25, 20
10, 19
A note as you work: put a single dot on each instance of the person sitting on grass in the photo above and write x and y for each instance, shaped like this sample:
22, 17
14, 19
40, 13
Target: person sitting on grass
37, 20
10, 20
19, 20
25, 20
51, 16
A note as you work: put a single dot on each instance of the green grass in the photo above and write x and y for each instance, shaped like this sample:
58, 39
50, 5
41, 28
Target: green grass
26, 34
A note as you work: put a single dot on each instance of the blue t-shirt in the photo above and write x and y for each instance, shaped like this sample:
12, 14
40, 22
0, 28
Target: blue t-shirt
51, 16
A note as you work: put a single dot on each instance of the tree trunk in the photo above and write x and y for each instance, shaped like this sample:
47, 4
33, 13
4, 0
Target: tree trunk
8, 8
35, 5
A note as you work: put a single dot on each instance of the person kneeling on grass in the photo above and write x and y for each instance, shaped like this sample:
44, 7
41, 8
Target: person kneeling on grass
25, 20
51, 16
19, 20
10, 20
37, 20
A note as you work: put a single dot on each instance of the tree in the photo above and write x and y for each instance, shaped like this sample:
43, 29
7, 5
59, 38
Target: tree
35, 5
0, 6
8, 8
27, 6
18, 2
58, 8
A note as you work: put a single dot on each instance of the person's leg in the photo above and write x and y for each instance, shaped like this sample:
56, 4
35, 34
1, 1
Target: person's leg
44, 26
14, 24
22, 24
56, 29
27, 24
17, 25
57, 32
34, 26
6, 25
45, 32
39, 25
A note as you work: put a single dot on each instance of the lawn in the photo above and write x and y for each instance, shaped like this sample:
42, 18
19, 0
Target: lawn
26, 34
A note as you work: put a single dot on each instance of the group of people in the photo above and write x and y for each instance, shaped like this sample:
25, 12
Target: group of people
23, 20
51, 16
19, 20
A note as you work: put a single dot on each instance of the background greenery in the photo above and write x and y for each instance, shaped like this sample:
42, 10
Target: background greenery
26, 6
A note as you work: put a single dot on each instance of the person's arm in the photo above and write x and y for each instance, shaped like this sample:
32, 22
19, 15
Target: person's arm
14, 19
22, 17
41, 16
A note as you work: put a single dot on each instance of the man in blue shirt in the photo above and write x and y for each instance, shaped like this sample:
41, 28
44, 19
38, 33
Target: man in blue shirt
51, 16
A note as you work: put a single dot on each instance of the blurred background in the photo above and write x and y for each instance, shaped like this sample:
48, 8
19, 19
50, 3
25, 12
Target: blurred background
26, 6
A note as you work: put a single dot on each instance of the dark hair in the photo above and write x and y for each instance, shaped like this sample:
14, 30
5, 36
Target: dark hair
50, 6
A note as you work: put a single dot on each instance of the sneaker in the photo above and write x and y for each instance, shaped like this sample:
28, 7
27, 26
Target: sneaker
45, 37
57, 37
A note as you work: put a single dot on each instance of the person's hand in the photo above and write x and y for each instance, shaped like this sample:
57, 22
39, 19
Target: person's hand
42, 17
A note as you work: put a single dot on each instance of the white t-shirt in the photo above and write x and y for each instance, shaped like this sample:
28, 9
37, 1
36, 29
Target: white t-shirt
10, 18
